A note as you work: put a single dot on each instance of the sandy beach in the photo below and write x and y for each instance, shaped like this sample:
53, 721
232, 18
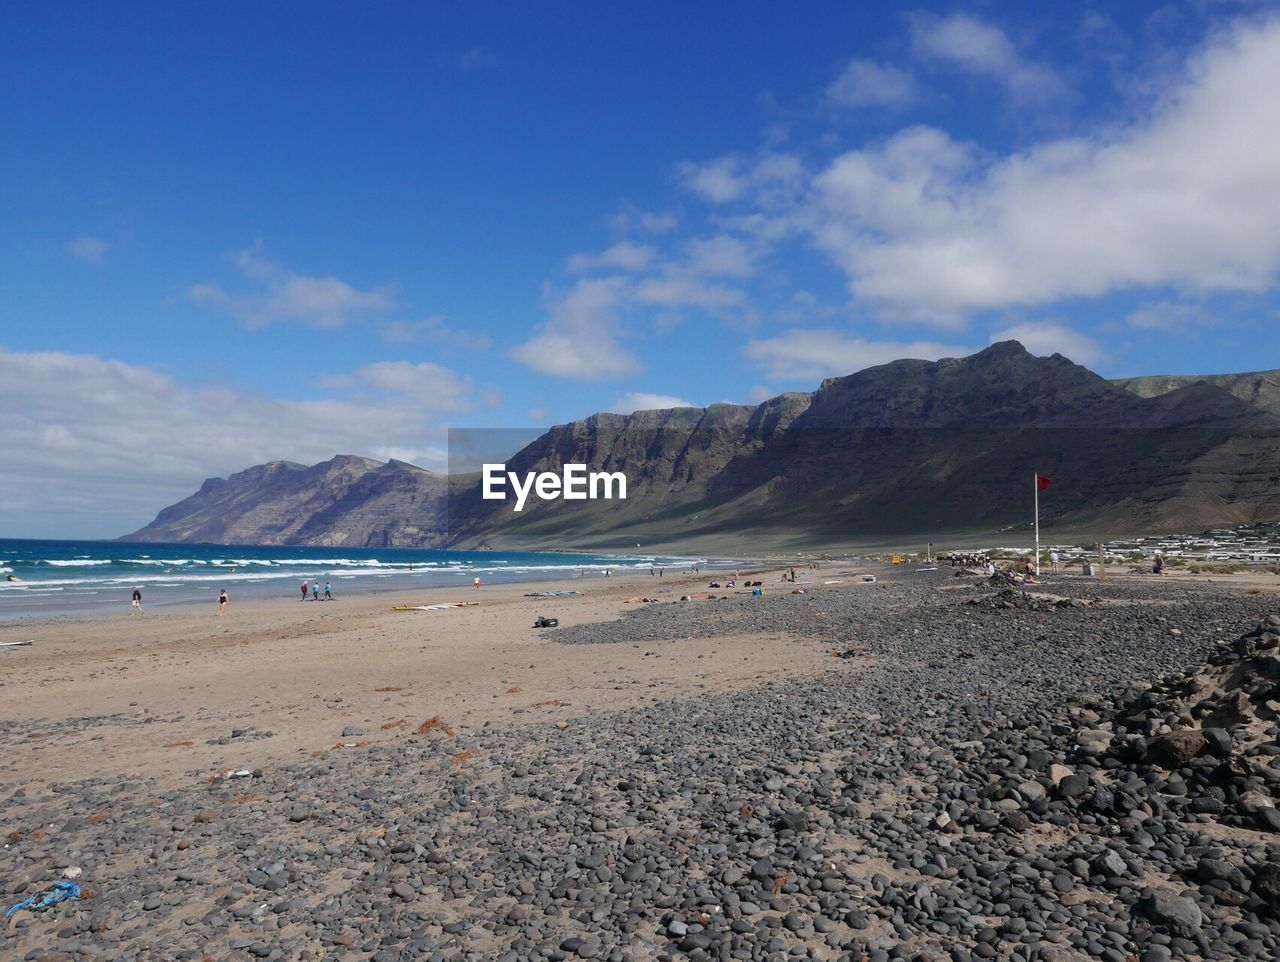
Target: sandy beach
929, 767
180, 690
163, 694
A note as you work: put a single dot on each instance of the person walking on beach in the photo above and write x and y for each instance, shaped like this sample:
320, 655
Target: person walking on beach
304, 591
315, 591
1053, 561
137, 601
476, 582
328, 591
222, 602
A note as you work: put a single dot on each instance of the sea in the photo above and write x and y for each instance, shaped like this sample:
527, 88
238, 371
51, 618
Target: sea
44, 578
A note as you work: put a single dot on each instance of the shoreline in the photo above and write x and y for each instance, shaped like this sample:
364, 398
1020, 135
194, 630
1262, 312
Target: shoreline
274, 572
183, 674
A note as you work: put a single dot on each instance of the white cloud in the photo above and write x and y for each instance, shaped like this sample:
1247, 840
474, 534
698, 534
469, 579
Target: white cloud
679, 288
655, 222
720, 256
810, 355
865, 83
1172, 316
1047, 337
434, 331
977, 47
100, 445
717, 180
90, 249
640, 401
929, 227
280, 294
623, 256
770, 178
580, 339
583, 336
420, 382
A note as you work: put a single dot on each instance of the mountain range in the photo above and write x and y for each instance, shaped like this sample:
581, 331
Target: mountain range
904, 449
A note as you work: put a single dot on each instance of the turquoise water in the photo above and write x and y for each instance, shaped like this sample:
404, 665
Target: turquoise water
65, 577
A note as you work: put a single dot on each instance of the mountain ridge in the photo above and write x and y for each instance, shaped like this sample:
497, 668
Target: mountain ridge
895, 449
1260, 388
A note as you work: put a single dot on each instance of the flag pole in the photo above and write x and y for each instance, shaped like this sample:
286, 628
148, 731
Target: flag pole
1035, 485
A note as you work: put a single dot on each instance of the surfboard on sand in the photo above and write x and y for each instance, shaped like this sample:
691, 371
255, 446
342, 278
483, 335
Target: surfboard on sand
16, 644
440, 607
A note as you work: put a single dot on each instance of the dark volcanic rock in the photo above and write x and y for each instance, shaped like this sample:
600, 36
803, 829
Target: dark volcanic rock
908, 804
1176, 749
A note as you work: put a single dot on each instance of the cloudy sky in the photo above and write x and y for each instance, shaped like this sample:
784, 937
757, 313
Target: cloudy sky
232, 235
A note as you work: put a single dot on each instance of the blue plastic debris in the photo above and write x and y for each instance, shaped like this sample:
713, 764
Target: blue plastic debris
59, 892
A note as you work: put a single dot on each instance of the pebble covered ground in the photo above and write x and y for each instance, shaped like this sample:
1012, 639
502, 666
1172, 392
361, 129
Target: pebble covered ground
978, 776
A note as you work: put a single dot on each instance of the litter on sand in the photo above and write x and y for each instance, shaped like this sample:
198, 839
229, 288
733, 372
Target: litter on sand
58, 892
550, 594
228, 773
868, 579
547, 623
17, 644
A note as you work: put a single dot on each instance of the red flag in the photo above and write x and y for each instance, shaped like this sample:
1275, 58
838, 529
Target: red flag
1042, 482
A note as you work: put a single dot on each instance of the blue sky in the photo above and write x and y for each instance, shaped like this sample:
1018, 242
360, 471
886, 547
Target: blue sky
235, 234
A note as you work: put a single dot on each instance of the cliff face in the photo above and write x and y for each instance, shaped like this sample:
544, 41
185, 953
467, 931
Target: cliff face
907, 447
913, 447
348, 500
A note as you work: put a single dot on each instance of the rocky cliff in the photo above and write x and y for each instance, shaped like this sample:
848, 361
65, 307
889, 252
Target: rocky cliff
907, 447
348, 500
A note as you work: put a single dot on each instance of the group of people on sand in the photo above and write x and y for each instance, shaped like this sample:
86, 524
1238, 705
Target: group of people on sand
314, 588
137, 609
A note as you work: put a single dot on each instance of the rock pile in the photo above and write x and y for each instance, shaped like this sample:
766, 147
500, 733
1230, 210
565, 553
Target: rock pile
1009, 597
1209, 739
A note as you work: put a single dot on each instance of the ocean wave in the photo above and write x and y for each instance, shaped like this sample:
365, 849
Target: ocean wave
126, 579
76, 563
123, 581
161, 562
